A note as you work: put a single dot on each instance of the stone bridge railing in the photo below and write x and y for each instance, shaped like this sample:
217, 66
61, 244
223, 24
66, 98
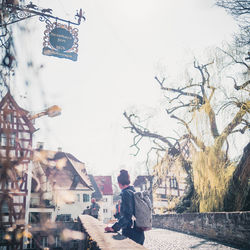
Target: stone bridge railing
95, 238
227, 227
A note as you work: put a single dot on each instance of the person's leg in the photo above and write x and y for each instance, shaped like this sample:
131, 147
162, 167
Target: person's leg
126, 232
134, 234
139, 236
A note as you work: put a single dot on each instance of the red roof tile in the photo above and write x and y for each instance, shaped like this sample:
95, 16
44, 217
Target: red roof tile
104, 183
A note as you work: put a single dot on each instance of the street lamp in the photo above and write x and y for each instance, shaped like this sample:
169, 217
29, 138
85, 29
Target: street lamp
50, 112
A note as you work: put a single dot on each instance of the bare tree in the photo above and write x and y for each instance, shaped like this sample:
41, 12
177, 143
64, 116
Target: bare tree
198, 101
240, 10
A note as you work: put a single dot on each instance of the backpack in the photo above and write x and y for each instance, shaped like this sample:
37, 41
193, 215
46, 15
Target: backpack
143, 210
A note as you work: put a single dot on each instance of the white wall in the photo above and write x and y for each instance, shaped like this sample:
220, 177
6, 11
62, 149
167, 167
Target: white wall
71, 202
107, 206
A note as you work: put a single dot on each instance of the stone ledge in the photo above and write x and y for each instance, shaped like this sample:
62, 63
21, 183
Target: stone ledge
106, 241
227, 227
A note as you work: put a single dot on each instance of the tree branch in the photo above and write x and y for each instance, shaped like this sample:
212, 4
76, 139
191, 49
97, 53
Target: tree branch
239, 87
244, 108
146, 133
234, 59
199, 143
135, 144
171, 110
179, 91
243, 86
242, 130
160, 148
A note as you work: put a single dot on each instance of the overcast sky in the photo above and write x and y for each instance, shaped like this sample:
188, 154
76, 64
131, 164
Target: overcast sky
122, 46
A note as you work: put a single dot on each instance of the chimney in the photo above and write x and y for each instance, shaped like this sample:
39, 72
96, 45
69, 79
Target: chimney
59, 149
40, 145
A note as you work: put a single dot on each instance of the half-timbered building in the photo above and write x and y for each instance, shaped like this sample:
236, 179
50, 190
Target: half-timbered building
16, 131
170, 183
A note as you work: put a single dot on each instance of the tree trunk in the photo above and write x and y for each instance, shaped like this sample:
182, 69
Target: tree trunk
238, 192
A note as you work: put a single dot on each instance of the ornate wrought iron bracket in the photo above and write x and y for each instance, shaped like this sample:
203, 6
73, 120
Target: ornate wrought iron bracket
11, 13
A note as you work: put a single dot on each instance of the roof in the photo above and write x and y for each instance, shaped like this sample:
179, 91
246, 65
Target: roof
63, 170
104, 183
97, 194
9, 102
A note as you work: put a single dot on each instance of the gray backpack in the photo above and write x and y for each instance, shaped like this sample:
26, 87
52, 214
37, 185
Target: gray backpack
143, 210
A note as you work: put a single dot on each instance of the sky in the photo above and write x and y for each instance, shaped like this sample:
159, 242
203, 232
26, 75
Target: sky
123, 45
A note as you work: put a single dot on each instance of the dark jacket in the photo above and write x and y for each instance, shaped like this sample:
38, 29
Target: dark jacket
117, 214
127, 209
94, 209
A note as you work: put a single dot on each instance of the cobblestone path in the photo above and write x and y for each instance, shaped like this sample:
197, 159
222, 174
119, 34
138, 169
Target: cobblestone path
162, 239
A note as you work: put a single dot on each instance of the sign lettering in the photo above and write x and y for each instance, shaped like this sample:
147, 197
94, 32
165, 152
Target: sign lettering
60, 41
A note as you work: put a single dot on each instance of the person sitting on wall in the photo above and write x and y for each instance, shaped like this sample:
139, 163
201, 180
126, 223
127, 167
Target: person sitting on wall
126, 222
94, 208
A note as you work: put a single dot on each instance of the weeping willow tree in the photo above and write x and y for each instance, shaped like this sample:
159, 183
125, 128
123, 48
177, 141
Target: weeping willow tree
213, 111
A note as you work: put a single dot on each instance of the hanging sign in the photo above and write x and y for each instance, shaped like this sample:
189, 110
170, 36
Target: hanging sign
60, 41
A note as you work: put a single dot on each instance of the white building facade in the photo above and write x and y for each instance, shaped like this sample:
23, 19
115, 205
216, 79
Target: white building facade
104, 184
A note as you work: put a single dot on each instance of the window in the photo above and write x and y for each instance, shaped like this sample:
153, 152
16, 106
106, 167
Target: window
7, 185
105, 210
57, 241
78, 197
85, 198
105, 199
173, 182
3, 139
34, 217
63, 217
31, 244
44, 241
5, 207
9, 118
12, 139
37, 217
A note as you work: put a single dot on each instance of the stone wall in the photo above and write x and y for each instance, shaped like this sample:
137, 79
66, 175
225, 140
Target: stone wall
232, 227
96, 239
